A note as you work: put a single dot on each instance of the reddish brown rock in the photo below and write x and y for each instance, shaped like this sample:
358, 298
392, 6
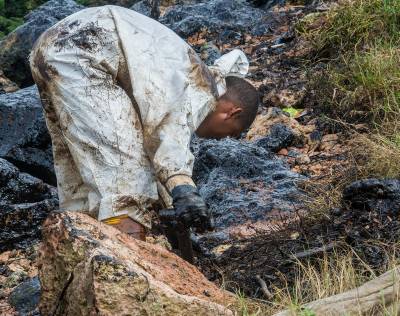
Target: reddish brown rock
89, 268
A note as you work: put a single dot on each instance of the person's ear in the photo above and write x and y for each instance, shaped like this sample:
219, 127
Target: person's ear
234, 112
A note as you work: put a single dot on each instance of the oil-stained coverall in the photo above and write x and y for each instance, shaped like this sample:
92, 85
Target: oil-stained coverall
122, 95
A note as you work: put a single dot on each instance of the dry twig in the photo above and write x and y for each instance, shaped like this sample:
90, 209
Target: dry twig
264, 287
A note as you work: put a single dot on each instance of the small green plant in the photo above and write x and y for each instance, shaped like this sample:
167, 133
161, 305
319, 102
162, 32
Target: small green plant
249, 307
292, 111
242, 303
307, 312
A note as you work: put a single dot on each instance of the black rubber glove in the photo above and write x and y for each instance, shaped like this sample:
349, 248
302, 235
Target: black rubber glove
190, 208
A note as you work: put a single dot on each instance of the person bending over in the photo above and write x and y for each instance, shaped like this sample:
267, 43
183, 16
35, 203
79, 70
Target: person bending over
122, 95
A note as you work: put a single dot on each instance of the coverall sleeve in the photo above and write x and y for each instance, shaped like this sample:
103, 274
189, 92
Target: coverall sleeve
168, 126
167, 145
171, 91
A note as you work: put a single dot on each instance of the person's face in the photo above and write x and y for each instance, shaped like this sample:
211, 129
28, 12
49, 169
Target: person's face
222, 122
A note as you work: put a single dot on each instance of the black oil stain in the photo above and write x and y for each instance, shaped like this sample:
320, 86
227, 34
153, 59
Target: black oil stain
90, 37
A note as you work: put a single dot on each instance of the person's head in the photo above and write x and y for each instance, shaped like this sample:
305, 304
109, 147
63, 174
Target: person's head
234, 113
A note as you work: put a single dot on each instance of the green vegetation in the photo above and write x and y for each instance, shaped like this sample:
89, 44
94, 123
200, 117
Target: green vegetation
357, 43
355, 25
354, 70
8, 25
359, 40
12, 13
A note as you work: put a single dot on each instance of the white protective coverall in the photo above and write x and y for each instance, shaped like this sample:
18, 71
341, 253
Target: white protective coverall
122, 95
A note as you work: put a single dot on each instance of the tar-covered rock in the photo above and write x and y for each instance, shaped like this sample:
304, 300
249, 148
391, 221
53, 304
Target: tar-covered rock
243, 183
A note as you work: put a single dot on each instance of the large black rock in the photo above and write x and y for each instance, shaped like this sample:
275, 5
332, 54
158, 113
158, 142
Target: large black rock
242, 182
25, 201
17, 187
15, 47
24, 139
226, 18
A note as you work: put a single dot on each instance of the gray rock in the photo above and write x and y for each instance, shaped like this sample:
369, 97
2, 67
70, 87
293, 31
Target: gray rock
25, 201
18, 187
25, 297
225, 18
267, 4
24, 139
21, 223
144, 7
150, 8
15, 47
33, 153
18, 112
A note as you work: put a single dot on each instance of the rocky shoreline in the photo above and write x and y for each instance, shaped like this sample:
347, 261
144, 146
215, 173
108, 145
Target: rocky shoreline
254, 186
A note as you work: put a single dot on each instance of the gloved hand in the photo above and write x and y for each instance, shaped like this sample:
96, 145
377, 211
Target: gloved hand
190, 208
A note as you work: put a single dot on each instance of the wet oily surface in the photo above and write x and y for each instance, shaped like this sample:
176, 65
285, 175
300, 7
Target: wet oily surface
25, 202
367, 221
245, 186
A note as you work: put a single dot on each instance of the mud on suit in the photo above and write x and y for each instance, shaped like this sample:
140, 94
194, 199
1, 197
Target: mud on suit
122, 95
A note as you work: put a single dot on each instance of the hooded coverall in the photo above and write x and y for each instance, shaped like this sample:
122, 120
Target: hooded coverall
122, 95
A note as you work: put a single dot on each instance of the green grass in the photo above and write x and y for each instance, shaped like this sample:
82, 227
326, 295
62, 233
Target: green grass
331, 274
353, 25
366, 81
357, 43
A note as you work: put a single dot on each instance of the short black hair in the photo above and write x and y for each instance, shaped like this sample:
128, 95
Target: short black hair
244, 95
